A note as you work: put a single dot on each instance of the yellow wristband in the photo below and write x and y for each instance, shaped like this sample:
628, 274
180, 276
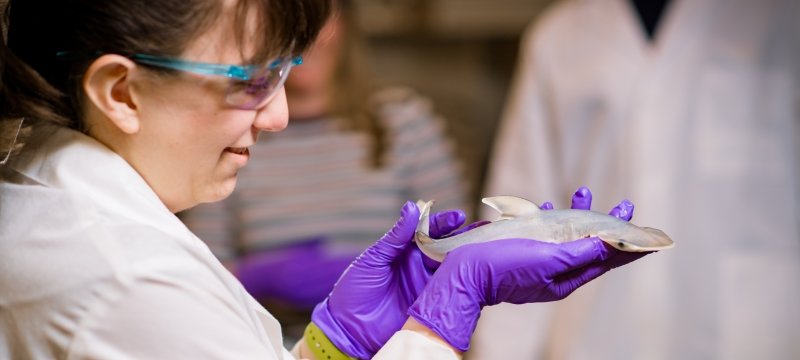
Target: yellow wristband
321, 346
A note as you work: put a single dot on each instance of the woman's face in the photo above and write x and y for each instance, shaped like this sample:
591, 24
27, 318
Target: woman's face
312, 81
191, 144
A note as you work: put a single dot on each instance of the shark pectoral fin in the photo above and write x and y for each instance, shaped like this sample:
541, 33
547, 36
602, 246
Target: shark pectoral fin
654, 240
511, 207
614, 241
424, 224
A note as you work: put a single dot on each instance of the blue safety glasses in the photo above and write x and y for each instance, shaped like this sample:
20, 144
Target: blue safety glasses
251, 86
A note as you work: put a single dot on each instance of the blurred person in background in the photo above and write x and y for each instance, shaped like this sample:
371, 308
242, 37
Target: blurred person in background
317, 194
690, 108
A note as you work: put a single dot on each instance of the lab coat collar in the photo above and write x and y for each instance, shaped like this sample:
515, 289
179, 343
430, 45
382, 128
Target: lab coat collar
66, 159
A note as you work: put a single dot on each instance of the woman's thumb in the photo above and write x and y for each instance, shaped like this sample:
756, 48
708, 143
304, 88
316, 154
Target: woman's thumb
392, 244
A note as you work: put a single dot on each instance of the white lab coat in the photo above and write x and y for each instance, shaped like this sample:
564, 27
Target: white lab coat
93, 265
701, 130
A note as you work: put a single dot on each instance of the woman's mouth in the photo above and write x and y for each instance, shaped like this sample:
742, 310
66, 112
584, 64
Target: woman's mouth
239, 155
238, 150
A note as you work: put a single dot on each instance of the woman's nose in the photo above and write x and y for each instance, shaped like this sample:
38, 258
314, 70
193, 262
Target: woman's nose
274, 116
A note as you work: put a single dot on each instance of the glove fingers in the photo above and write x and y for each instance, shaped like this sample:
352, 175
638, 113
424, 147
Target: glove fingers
565, 284
444, 222
623, 210
391, 245
431, 264
582, 199
579, 253
618, 258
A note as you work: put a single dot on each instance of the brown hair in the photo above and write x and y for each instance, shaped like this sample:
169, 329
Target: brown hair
351, 85
37, 85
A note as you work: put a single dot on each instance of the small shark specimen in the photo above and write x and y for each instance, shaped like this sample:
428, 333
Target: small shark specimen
520, 218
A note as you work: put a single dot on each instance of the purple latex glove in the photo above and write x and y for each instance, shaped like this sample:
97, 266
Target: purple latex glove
582, 200
283, 274
370, 301
513, 270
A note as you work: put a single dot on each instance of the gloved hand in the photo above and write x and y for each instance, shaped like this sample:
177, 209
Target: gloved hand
287, 267
282, 274
582, 200
370, 301
512, 270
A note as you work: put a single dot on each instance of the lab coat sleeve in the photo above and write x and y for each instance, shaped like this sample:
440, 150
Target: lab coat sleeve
161, 319
406, 344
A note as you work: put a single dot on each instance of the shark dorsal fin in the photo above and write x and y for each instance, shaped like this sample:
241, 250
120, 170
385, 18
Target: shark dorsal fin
511, 207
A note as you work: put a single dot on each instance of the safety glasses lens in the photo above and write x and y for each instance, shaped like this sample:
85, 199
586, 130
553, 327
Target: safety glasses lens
259, 90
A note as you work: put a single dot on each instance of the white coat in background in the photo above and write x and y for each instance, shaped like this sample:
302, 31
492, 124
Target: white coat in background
701, 130
94, 266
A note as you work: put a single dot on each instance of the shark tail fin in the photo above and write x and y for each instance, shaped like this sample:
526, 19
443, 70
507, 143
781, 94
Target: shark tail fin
511, 207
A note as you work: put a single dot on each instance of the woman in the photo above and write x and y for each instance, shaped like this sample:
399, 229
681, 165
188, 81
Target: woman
317, 194
134, 110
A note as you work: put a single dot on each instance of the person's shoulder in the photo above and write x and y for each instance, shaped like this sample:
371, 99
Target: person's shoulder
59, 240
400, 107
412, 124
57, 235
65, 264
172, 302
142, 253
562, 18
48, 238
133, 254
171, 291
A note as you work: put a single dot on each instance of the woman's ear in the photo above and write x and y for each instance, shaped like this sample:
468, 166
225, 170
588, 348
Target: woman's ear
107, 84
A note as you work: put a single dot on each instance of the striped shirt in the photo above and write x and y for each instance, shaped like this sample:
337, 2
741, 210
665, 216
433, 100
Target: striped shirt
314, 181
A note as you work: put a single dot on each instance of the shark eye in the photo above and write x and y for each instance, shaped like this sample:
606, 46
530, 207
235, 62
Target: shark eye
621, 244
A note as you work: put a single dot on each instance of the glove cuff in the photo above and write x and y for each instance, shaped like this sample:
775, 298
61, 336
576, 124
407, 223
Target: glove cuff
451, 315
335, 332
321, 346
